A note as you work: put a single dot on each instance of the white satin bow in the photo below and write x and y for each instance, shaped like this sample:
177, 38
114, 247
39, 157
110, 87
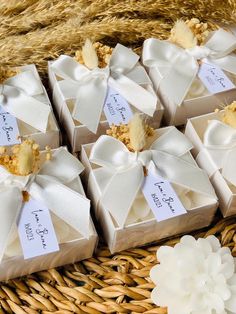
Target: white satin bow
178, 67
48, 186
127, 169
89, 87
17, 97
220, 142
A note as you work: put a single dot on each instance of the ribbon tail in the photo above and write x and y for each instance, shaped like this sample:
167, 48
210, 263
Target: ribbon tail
11, 203
121, 192
70, 206
184, 173
137, 96
89, 103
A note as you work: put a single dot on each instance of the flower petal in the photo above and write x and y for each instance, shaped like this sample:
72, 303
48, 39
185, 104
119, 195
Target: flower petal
215, 302
188, 240
213, 263
164, 253
231, 304
214, 242
154, 273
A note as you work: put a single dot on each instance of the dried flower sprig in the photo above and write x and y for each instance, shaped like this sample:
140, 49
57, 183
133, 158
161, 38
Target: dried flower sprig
24, 158
6, 73
188, 34
133, 135
229, 116
94, 54
199, 29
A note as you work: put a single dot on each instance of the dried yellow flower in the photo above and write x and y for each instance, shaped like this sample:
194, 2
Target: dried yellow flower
229, 116
6, 73
24, 159
122, 133
190, 33
199, 29
26, 196
103, 54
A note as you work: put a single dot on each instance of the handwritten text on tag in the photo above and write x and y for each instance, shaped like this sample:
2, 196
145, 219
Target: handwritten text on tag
161, 197
36, 231
9, 132
214, 78
116, 108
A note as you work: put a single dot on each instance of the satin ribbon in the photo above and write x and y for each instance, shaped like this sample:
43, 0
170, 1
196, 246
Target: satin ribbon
220, 142
17, 97
48, 186
178, 67
167, 154
89, 87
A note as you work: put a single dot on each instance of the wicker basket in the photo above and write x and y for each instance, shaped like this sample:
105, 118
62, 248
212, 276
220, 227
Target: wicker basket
106, 283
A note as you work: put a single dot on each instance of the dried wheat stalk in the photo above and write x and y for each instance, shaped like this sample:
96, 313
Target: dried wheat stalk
34, 31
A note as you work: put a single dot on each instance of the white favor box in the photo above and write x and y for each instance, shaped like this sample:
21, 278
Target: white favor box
79, 134
190, 107
225, 191
52, 135
73, 246
140, 233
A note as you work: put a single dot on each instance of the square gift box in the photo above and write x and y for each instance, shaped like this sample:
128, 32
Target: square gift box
214, 147
32, 204
115, 180
26, 111
88, 100
194, 79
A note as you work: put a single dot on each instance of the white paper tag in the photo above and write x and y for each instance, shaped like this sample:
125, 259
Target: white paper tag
214, 78
9, 132
116, 108
161, 197
36, 231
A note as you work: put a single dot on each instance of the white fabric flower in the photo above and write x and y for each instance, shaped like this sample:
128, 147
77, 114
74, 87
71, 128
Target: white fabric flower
195, 277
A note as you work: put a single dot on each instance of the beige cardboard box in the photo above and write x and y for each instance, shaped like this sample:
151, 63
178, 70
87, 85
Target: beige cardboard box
225, 191
190, 107
73, 246
52, 135
149, 230
79, 134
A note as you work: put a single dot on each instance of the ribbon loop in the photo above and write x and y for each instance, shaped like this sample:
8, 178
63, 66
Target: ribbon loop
178, 67
89, 87
220, 142
122, 59
49, 187
19, 92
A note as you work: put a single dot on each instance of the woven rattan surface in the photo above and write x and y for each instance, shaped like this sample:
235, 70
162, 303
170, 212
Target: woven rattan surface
106, 283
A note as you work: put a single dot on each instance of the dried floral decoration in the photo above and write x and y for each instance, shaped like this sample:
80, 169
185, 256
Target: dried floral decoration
229, 116
199, 29
93, 55
23, 160
134, 134
6, 73
189, 34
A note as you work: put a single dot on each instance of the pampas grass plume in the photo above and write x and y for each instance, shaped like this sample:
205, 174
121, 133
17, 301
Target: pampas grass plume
89, 55
137, 133
182, 35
